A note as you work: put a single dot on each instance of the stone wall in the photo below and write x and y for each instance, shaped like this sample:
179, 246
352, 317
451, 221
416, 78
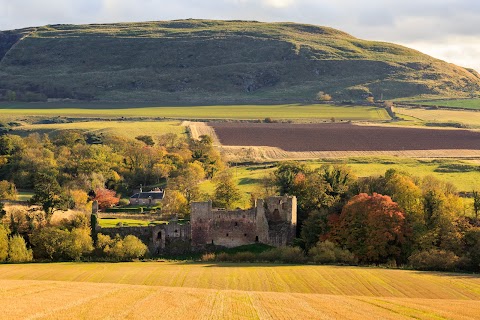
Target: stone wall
159, 239
272, 221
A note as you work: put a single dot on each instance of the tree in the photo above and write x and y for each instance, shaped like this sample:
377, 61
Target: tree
322, 96
7, 191
106, 198
285, 176
3, 213
18, 251
314, 227
226, 192
148, 140
476, 204
3, 243
57, 244
372, 227
49, 195
175, 202
121, 249
79, 243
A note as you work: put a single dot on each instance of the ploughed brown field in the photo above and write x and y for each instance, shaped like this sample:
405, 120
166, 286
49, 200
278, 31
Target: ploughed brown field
343, 137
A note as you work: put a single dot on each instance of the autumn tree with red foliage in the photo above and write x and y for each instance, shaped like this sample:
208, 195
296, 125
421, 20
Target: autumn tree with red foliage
372, 227
106, 198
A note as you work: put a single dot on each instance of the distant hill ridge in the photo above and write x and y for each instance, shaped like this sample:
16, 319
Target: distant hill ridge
206, 61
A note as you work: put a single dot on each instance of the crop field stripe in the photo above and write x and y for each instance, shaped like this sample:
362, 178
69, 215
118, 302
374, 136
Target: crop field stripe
64, 300
248, 112
293, 279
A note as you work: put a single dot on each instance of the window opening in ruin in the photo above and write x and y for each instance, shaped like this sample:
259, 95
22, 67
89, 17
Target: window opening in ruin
227, 234
236, 224
256, 239
245, 234
159, 236
176, 231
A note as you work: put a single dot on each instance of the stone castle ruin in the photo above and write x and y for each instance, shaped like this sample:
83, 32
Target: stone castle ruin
271, 221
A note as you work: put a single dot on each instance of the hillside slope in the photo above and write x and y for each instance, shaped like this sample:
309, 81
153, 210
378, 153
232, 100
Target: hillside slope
215, 61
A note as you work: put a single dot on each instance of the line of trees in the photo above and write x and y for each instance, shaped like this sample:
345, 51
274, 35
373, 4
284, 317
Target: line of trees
395, 218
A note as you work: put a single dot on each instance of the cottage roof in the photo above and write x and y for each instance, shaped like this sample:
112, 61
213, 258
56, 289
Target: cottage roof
157, 195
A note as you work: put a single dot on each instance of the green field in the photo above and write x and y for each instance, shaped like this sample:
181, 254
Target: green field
112, 223
288, 111
128, 129
249, 178
454, 103
153, 290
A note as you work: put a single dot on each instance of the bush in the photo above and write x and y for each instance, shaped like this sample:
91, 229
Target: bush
243, 257
57, 244
3, 243
222, 257
434, 259
121, 249
79, 243
283, 255
123, 202
328, 252
7, 191
292, 255
208, 257
133, 248
17, 250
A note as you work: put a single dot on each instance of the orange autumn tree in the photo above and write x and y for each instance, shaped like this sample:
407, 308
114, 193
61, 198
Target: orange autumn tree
372, 227
106, 198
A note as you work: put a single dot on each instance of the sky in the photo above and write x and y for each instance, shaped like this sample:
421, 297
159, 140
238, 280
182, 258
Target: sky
446, 29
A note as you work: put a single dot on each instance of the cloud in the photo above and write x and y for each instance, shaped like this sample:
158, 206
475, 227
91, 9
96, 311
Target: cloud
435, 23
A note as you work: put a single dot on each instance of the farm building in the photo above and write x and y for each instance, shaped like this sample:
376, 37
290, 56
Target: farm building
147, 198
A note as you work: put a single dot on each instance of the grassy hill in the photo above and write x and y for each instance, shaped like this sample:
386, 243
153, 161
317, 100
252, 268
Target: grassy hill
203, 61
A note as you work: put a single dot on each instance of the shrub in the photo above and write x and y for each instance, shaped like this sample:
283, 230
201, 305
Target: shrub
133, 248
79, 243
222, 256
49, 243
322, 96
3, 243
208, 257
243, 257
291, 255
7, 191
123, 202
434, 259
57, 244
328, 252
121, 249
283, 255
17, 250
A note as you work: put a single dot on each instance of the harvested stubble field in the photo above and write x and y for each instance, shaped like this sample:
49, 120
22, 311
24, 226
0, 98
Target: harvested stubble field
468, 118
153, 290
343, 137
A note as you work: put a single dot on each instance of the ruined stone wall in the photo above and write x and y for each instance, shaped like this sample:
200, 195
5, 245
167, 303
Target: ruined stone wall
281, 215
159, 238
272, 222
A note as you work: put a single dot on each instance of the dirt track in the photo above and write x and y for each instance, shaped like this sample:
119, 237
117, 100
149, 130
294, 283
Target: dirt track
343, 137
